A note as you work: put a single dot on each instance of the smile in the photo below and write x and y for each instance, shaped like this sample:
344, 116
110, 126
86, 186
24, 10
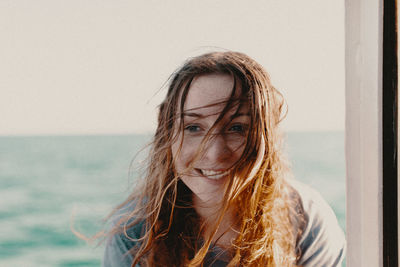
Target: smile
215, 175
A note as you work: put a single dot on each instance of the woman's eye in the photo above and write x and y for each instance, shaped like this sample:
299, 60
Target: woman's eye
238, 128
192, 128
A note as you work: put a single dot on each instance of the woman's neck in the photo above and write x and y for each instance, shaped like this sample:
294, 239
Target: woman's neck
209, 213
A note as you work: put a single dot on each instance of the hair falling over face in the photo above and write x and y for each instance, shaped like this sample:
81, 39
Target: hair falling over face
174, 234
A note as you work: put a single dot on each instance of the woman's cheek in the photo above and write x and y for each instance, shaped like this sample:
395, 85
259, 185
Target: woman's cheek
189, 150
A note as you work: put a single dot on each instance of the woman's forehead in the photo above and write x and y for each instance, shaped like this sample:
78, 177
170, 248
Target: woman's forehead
209, 90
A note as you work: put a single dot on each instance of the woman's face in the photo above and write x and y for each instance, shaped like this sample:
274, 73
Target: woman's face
227, 141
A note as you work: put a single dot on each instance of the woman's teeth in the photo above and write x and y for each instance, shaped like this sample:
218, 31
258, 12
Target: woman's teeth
214, 174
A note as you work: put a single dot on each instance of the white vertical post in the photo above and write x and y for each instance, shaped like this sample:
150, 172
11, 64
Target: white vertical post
364, 132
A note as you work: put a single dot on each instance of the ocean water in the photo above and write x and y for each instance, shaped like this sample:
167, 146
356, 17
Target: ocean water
50, 183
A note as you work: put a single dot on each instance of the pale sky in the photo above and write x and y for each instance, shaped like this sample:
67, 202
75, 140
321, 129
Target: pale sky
95, 67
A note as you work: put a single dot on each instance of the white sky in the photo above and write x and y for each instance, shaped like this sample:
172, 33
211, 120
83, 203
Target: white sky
94, 67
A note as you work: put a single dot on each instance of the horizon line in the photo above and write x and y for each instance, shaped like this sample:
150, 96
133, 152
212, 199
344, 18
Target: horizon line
141, 133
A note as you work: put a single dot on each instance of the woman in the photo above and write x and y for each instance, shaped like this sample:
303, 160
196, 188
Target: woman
216, 191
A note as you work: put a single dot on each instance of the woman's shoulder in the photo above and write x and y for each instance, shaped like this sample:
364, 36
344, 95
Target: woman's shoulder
311, 200
321, 240
124, 233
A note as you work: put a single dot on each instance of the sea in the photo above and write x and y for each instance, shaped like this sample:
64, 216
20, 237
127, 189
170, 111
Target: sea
53, 186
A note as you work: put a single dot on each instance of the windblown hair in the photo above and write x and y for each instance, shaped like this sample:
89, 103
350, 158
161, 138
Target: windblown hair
163, 203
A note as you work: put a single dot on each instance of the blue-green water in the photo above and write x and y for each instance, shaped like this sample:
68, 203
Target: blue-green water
46, 180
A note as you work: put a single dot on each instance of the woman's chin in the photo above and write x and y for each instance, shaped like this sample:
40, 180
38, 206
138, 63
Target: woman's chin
210, 198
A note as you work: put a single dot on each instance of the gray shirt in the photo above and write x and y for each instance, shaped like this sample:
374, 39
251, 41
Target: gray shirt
321, 244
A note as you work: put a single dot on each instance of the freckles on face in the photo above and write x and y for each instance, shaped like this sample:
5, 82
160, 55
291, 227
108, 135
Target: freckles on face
206, 173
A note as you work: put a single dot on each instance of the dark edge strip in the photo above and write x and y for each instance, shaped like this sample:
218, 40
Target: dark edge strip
389, 127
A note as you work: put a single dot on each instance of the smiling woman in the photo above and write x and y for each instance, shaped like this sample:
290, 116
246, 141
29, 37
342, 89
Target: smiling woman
205, 102
217, 190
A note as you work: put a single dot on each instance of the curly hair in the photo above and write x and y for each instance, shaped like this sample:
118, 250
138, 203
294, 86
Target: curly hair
163, 203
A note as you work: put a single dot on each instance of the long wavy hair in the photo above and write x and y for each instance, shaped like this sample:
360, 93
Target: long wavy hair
162, 203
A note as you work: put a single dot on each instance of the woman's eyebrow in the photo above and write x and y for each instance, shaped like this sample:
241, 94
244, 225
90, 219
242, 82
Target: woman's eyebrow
240, 115
198, 115
192, 114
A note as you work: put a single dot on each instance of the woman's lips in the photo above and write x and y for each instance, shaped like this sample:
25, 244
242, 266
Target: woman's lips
213, 174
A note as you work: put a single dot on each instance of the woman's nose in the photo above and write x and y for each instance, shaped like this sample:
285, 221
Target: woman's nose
217, 149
